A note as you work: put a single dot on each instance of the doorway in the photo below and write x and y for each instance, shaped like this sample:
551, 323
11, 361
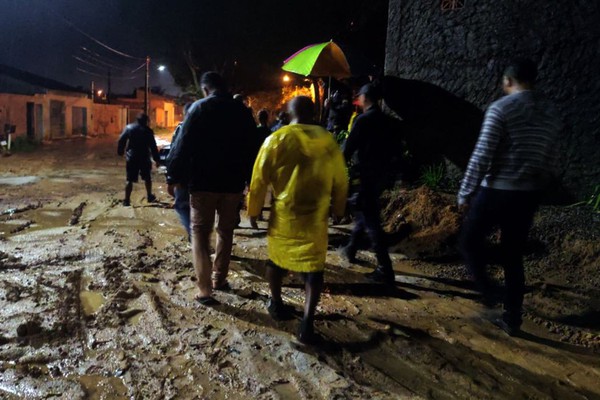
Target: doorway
79, 120
57, 119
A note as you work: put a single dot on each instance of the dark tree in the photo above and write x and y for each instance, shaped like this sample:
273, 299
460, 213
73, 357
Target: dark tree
248, 41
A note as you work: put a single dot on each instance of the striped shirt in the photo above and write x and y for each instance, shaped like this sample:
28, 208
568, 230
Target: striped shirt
516, 149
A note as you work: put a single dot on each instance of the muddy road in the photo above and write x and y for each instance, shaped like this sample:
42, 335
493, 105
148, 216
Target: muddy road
96, 302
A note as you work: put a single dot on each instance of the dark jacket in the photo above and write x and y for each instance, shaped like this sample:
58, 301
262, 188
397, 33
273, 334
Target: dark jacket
138, 140
373, 145
174, 143
215, 148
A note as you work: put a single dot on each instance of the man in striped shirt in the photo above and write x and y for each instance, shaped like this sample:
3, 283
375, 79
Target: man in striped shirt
511, 165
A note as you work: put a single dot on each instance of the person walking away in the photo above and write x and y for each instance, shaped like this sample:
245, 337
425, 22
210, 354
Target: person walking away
305, 169
262, 133
502, 186
180, 192
283, 119
370, 147
138, 144
215, 154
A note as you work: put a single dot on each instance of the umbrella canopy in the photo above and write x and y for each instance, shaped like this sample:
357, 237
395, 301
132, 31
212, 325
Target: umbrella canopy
322, 59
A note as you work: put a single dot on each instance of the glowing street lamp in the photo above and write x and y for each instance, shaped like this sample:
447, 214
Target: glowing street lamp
99, 93
286, 79
162, 68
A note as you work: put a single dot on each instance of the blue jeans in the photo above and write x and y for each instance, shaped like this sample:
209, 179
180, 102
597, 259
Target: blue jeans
512, 212
182, 207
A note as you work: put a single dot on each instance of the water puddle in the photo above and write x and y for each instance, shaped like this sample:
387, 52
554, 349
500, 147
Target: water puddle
91, 301
100, 387
34, 220
18, 180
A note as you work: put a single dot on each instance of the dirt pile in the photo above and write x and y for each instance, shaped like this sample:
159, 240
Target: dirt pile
421, 223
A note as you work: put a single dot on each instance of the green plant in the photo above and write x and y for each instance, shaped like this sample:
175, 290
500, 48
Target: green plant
593, 201
433, 175
23, 144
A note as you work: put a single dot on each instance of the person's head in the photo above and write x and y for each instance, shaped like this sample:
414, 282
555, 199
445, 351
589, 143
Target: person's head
283, 117
263, 117
143, 119
212, 82
368, 95
302, 110
519, 75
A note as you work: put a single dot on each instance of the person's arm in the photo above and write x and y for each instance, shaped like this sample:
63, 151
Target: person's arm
177, 162
153, 147
339, 193
261, 174
353, 140
122, 142
483, 154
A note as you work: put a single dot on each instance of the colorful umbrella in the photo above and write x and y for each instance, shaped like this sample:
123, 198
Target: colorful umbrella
319, 60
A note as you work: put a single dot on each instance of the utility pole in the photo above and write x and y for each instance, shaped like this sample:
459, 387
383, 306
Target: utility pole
146, 87
108, 89
93, 92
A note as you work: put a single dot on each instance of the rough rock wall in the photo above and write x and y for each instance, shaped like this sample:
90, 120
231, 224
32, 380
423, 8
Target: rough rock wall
464, 51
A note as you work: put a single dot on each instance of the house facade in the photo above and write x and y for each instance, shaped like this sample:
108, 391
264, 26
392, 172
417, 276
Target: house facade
40, 108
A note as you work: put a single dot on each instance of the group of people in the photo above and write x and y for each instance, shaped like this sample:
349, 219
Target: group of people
219, 150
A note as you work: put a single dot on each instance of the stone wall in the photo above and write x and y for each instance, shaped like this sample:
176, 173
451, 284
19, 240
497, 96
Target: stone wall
464, 52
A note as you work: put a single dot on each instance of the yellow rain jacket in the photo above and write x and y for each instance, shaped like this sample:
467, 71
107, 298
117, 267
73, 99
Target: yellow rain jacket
306, 169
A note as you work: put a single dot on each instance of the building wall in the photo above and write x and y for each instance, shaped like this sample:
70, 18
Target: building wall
13, 110
464, 52
108, 119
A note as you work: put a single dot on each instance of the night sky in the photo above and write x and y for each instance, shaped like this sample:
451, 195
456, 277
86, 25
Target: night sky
34, 37
256, 37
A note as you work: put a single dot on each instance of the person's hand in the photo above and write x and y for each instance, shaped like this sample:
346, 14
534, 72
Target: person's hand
171, 188
326, 103
253, 222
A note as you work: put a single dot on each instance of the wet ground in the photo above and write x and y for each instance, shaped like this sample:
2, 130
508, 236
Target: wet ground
96, 302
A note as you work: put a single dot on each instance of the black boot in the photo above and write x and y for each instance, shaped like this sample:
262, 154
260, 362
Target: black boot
382, 275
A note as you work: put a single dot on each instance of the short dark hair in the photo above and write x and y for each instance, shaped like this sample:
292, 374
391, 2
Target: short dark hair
303, 107
213, 80
187, 107
143, 118
263, 115
522, 70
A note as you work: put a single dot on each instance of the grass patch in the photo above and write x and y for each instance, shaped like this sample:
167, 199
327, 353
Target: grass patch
432, 176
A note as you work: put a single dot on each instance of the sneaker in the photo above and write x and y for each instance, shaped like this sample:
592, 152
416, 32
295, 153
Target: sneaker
511, 330
280, 311
126, 203
381, 275
349, 254
151, 198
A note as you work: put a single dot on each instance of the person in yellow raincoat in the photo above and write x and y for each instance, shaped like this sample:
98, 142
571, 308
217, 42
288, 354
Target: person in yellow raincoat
306, 170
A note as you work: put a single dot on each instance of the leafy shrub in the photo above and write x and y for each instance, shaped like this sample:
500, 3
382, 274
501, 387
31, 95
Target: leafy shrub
433, 176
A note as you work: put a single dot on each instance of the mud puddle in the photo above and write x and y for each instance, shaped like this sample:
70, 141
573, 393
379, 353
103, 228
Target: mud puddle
18, 180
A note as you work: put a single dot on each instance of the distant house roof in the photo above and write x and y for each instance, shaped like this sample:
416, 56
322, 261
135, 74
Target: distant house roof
13, 80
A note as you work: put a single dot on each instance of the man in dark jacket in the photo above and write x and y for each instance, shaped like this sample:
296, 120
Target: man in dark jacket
371, 146
138, 144
215, 153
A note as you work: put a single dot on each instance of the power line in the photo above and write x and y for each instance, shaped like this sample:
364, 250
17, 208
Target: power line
104, 76
105, 64
72, 25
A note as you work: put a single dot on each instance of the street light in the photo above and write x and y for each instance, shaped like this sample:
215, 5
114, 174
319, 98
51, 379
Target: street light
99, 93
286, 78
161, 68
